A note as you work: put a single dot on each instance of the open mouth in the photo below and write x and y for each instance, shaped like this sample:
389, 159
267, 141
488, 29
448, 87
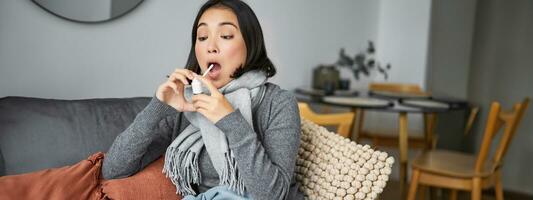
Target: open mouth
215, 71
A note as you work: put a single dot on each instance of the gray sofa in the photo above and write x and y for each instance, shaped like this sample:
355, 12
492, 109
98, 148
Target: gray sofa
40, 133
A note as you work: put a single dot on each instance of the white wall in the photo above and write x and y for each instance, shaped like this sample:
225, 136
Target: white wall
42, 55
403, 35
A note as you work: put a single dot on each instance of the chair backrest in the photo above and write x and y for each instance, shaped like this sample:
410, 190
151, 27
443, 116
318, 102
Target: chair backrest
498, 118
396, 87
474, 110
343, 121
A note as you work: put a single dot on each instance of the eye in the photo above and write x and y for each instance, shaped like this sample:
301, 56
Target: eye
227, 37
202, 38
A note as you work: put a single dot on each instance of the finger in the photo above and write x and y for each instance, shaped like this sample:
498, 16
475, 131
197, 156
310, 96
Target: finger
209, 85
201, 97
172, 85
201, 105
202, 111
174, 76
180, 77
186, 72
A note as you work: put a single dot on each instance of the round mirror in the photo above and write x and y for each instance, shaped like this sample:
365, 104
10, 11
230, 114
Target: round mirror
88, 11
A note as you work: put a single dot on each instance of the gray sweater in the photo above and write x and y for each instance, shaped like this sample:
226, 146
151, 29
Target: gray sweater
265, 153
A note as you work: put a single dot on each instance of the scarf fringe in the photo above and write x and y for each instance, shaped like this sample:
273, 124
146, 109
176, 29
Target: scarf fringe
181, 167
230, 176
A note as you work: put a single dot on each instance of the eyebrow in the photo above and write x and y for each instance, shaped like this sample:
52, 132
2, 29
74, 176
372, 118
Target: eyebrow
220, 24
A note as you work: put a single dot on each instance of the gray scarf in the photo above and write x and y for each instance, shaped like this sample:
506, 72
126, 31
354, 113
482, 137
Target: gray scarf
181, 157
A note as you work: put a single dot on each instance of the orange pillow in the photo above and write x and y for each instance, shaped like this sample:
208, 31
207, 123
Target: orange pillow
149, 183
78, 181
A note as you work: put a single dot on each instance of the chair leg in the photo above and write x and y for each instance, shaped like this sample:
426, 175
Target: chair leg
453, 194
414, 184
476, 189
498, 186
434, 193
422, 191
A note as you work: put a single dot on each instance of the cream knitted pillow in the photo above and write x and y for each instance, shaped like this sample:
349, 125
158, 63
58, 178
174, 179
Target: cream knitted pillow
330, 166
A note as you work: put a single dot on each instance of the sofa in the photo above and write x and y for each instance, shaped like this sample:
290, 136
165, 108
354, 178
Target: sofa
37, 133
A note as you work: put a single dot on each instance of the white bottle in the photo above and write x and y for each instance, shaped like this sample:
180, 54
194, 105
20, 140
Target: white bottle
196, 86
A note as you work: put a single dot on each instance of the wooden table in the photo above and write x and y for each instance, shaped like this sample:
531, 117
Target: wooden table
397, 104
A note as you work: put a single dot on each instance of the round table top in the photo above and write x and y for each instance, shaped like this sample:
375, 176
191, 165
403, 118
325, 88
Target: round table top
385, 101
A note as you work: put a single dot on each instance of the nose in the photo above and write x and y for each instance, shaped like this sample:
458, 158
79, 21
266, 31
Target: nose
212, 46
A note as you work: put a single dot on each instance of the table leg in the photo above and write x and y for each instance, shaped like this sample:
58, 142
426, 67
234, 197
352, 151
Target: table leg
430, 121
403, 153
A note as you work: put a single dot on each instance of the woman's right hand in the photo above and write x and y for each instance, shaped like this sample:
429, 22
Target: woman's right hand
171, 91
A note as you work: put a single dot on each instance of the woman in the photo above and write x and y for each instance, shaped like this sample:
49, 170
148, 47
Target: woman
240, 139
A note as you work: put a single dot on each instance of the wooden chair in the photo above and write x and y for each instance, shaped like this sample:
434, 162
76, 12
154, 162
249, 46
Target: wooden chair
385, 139
343, 121
397, 88
474, 110
458, 171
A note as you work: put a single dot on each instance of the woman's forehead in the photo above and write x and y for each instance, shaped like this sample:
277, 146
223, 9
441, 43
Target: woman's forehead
218, 16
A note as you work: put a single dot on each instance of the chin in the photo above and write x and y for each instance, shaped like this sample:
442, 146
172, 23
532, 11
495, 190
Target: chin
218, 84
221, 83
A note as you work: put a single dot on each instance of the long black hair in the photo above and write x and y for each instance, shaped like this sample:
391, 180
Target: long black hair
256, 55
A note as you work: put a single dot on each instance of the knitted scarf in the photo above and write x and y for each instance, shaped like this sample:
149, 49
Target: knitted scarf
181, 157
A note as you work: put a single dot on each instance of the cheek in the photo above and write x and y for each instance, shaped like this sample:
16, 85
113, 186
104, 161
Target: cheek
198, 52
237, 53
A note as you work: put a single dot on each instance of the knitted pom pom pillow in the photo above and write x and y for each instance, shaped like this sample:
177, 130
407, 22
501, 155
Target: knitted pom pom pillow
330, 166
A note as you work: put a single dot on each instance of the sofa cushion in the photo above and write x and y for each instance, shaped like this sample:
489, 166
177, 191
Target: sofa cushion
330, 166
79, 181
149, 183
40, 133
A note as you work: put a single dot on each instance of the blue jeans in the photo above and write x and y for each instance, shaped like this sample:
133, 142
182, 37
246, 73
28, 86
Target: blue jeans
218, 193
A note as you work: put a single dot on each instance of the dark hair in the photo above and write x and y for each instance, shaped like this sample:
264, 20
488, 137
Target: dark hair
256, 56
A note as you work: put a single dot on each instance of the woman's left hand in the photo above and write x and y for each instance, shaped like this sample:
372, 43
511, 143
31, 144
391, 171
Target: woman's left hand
214, 107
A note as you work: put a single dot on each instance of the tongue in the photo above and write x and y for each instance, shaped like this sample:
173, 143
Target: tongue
215, 71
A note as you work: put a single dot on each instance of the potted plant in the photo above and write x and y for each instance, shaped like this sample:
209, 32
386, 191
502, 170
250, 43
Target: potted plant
363, 63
